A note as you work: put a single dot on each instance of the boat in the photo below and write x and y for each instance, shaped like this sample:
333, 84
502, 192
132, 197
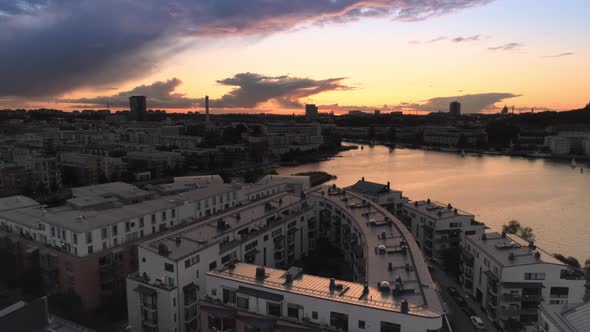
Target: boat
574, 165
463, 153
362, 147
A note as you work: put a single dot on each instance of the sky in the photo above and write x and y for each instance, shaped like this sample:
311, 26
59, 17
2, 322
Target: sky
277, 55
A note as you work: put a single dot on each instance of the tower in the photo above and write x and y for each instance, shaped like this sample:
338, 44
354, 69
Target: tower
137, 105
311, 112
207, 109
455, 108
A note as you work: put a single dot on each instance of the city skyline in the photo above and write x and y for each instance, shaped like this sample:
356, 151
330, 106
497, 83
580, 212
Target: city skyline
340, 55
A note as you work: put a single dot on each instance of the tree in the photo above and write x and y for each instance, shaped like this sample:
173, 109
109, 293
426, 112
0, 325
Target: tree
512, 228
571, 261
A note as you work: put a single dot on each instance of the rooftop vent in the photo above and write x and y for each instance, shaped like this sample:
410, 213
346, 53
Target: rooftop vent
428, 201
405, 307
366, 288
538, 255
260, 273
381, 249
384, 286
288, 278
449, 206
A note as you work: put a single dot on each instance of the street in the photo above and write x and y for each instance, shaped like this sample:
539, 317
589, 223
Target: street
459, 320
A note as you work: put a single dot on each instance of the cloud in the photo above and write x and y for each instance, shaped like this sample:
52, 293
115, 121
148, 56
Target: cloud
470, 103
253, 89
54, 46
559, 55
506, 47
250, 90
458, 39
465, 39
159, 95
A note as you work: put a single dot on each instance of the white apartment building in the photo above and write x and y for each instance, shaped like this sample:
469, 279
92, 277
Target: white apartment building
558, 145
191, 278
510, 278
437, 227
381, 194
564, 318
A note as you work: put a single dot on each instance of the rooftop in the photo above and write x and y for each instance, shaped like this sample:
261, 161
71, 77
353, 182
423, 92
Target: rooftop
569, 318
195, 237
511, 250
370, 188
319, 287
436, 210
383, 231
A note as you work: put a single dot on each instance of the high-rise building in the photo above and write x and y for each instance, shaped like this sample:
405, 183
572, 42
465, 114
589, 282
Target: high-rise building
455, 108
138, 107
311, 112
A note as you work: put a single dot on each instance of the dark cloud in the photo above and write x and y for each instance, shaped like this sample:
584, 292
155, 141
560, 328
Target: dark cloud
53, 46
470, 103
506, 47
160, 95
559, 55
250, 90
253, 89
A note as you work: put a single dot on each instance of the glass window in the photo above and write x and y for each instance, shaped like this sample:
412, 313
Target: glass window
314, 315
273, 309
390, 327
361, 324
168, 267
243, 303
293, 310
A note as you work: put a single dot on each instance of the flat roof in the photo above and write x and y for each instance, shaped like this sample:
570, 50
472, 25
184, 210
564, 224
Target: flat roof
205, 233
16, 202
436, 209
501, 249
389, 235
317, 287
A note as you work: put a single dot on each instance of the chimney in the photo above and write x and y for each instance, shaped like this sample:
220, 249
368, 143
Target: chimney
288, 278
207, 109
388, 185
405, 308
366, 288
260, 273
332, 284
363, 179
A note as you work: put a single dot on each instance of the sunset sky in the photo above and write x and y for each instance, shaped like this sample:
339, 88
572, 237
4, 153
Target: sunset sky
274, 56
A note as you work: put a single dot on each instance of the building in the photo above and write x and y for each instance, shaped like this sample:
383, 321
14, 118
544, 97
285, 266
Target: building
558, 145
381, 194
454, 137
34, 317
89, 244
311, 113
14, 180
455, 108
510, 278
81, 169
437, 227
564, 318
45, 172
138, 107
159, 163
191, 279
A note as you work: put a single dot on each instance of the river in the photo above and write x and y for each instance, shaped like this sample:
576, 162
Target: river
547, 195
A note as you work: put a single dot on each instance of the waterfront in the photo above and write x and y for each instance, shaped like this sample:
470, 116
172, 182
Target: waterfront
547, 195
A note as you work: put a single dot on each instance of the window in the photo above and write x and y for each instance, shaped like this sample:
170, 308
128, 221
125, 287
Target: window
339, 321
141, 222
164, 215
293, 310
251, 245
229, 296
243, 303
127, 226
115, 229
90, 250
212, 265
390, 327
153, 219
75, 238
534, 276
168, 267
561, 292
103, 233
173, 213
273, 309
455, 224
361, 324
266, 238
314, 315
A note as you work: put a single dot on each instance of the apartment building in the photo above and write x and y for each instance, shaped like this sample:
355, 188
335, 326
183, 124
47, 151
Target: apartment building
437, 227
191, 279
88, 245
510, 278
564, 318
381, 194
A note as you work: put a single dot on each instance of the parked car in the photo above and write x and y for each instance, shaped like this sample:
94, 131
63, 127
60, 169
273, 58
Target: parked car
467, 309
460, 300
477, 323
452, 291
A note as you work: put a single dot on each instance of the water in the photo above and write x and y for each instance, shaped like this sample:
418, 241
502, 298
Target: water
549, 196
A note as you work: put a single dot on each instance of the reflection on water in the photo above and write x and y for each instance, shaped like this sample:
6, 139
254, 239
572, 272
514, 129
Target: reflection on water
549, 196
